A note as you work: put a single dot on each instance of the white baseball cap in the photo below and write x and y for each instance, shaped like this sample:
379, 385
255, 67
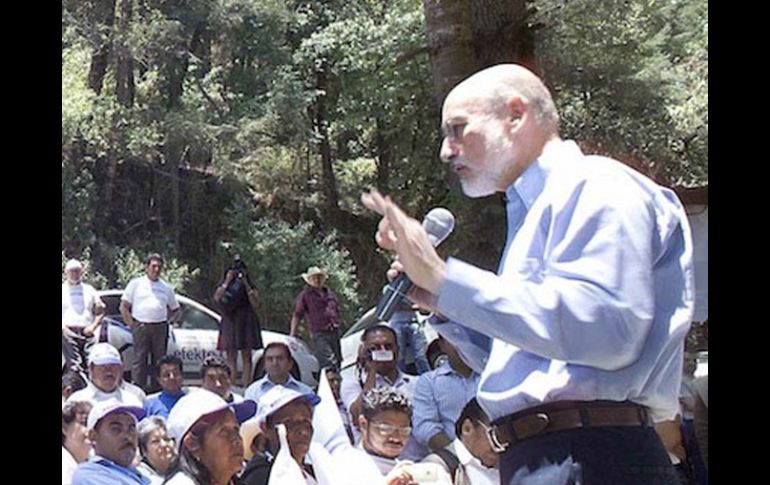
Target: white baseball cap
73, 264
199, 403
278, 397
104, 354
104, 408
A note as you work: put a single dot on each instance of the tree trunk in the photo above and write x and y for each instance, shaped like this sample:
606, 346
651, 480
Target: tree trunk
384, 156
124, 75
500, 32
450, 37
321, 122
104, 13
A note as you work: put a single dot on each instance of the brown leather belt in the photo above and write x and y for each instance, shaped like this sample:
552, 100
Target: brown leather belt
562, 415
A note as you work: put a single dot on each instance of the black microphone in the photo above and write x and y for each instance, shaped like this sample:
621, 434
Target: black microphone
438, 223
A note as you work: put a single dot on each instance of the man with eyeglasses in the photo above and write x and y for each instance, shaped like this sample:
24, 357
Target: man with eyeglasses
385, 423
579, 335
293, 409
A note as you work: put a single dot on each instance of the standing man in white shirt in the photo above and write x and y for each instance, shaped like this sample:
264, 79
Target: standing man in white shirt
148, 305
81, 312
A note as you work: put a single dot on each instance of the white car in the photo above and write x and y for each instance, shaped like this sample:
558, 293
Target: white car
194, 337
351, 340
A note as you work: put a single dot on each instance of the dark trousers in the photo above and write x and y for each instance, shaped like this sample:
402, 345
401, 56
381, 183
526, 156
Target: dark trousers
327, 348
623, 455
150, 342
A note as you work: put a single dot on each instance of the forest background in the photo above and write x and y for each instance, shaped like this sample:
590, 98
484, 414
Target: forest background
202, 129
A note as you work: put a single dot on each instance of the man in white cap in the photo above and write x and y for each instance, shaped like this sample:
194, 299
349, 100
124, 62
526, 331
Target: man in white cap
320, 305
293, 409
82, 311
112, 430
105, 369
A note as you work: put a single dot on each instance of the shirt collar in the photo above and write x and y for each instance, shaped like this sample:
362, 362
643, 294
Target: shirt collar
272, 383
399, 381
166, 394
531, 183
463, 455
131, 471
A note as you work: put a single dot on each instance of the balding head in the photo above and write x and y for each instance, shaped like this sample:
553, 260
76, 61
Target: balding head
495, 124
495, 86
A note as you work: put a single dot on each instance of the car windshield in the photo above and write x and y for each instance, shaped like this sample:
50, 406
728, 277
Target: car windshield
195, 319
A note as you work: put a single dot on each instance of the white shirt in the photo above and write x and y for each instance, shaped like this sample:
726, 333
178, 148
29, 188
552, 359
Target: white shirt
477, 473
180, 478
123, 393
149, 472
150, 300
68, 465
78, 303
257, 388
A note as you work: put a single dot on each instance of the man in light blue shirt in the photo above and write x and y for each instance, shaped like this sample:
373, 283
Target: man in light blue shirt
112, 430
278, 365
585, 320
439, 397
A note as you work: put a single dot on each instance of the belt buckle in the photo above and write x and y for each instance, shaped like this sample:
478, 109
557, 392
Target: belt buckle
497, 445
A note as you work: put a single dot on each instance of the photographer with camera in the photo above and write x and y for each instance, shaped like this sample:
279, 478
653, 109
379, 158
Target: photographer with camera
239, 329
377, 368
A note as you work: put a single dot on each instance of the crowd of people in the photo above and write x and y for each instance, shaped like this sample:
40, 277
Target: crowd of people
563, 367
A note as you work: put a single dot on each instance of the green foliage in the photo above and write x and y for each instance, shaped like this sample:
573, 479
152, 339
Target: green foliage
78, 209
129, 264
234, 100
77, 99
631, 79
277, 254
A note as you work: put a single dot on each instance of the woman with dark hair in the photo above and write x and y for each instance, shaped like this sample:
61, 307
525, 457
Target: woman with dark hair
239, 330
156, 447
75, 445
206, 430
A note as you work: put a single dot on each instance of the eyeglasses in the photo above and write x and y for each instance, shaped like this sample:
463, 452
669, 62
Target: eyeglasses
388, 429
294, 425
492, 437
453, 130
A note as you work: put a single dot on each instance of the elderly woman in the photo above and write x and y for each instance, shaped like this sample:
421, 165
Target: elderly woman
157, 449
206, 431
75, 445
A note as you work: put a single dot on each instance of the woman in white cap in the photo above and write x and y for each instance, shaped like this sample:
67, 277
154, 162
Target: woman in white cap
206, 431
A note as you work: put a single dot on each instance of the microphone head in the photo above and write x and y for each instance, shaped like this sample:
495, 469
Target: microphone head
439, 224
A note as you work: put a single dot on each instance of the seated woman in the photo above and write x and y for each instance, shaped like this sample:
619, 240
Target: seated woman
206, 431
156, 448
75, 445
